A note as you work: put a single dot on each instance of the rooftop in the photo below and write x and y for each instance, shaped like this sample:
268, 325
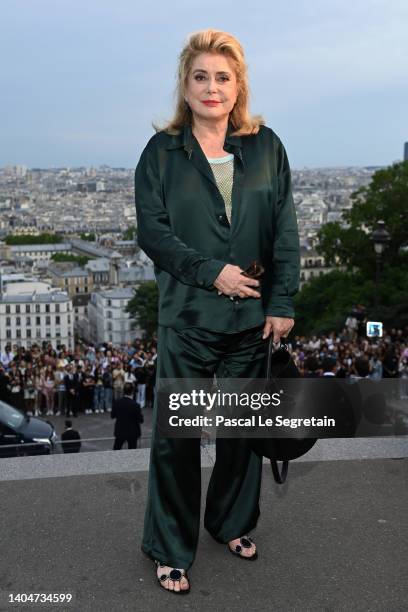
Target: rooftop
59, 246
51, 296
93, 249
73, 272
101, 264
118, 293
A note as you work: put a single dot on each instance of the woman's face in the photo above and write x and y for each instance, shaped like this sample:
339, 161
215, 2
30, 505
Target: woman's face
212, 77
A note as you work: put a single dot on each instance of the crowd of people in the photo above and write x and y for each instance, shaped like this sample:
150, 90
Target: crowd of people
44, 381
352, 354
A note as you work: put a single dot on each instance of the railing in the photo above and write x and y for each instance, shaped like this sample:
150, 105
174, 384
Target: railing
87, 445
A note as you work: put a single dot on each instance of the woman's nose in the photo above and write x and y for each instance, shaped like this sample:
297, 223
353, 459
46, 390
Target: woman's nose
212, 86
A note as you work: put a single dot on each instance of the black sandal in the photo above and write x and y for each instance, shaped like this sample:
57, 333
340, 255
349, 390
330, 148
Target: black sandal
246, 542
176, 575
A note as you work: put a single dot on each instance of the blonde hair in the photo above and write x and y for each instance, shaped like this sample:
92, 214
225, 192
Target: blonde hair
214, 41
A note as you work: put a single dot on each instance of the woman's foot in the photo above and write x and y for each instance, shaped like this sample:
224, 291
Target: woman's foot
243, 547
172, 579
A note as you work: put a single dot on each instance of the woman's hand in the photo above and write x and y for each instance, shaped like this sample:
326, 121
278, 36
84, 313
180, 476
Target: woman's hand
279, 326
231, 282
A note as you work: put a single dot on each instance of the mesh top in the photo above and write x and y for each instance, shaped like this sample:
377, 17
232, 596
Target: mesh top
223, 170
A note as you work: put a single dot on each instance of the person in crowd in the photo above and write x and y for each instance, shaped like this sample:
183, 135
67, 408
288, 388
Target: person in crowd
360, 368
99, 390
390, 363
39, 407
4, 385
91, 354
6, 356
71, 384
79, 378
329, 366
141, 378
376, 368
60, 388
128, 417
403, 374
130, 376
88, 387
108, 388
118, 376
30, 391
48, 387
16, 385
311, 367
70, 439
150, 381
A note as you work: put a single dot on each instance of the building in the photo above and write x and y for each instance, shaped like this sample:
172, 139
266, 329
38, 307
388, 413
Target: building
108, 320
311, 264
99, 269
127, 248
406, 151
71, 278
38, 251
27, 319
18, 283
80, 304
89, 249
139, 271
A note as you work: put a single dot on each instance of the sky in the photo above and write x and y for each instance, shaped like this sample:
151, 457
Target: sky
82, 81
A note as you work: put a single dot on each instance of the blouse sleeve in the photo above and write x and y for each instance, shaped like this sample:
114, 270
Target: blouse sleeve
156, 237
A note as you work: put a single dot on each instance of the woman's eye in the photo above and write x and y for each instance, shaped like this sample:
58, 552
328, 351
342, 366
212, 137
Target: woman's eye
201, 77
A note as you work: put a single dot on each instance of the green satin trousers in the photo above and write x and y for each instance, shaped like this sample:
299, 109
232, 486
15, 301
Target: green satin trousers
172, 516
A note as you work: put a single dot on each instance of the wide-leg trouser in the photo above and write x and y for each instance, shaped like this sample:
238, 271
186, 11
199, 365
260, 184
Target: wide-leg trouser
172, 517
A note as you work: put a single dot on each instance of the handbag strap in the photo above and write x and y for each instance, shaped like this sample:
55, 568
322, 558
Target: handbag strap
279, 476
271, 350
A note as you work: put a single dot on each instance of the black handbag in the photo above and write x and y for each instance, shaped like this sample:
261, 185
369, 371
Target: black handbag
281, 365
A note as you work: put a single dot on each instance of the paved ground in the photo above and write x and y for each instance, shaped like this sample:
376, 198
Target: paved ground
332, 539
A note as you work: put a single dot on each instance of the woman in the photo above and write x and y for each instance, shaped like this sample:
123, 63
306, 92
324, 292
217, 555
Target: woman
118, 377
48, 388
213, 194
130, 378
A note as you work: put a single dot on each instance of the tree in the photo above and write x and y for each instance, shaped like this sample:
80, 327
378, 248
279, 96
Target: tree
143, 307
45, 238
385, 198
88, 236
130, 232
324, 302
81, 260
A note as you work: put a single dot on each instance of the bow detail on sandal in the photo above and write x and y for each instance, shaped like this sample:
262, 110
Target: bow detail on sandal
176, 575
245, 542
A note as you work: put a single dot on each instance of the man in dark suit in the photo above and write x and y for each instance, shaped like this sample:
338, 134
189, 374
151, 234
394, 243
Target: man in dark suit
70, 439
72, 392
128, 417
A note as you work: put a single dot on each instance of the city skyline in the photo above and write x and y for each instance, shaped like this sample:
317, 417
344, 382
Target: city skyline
81, 82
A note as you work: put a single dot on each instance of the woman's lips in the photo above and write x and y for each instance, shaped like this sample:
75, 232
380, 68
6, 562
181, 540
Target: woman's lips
210, 103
